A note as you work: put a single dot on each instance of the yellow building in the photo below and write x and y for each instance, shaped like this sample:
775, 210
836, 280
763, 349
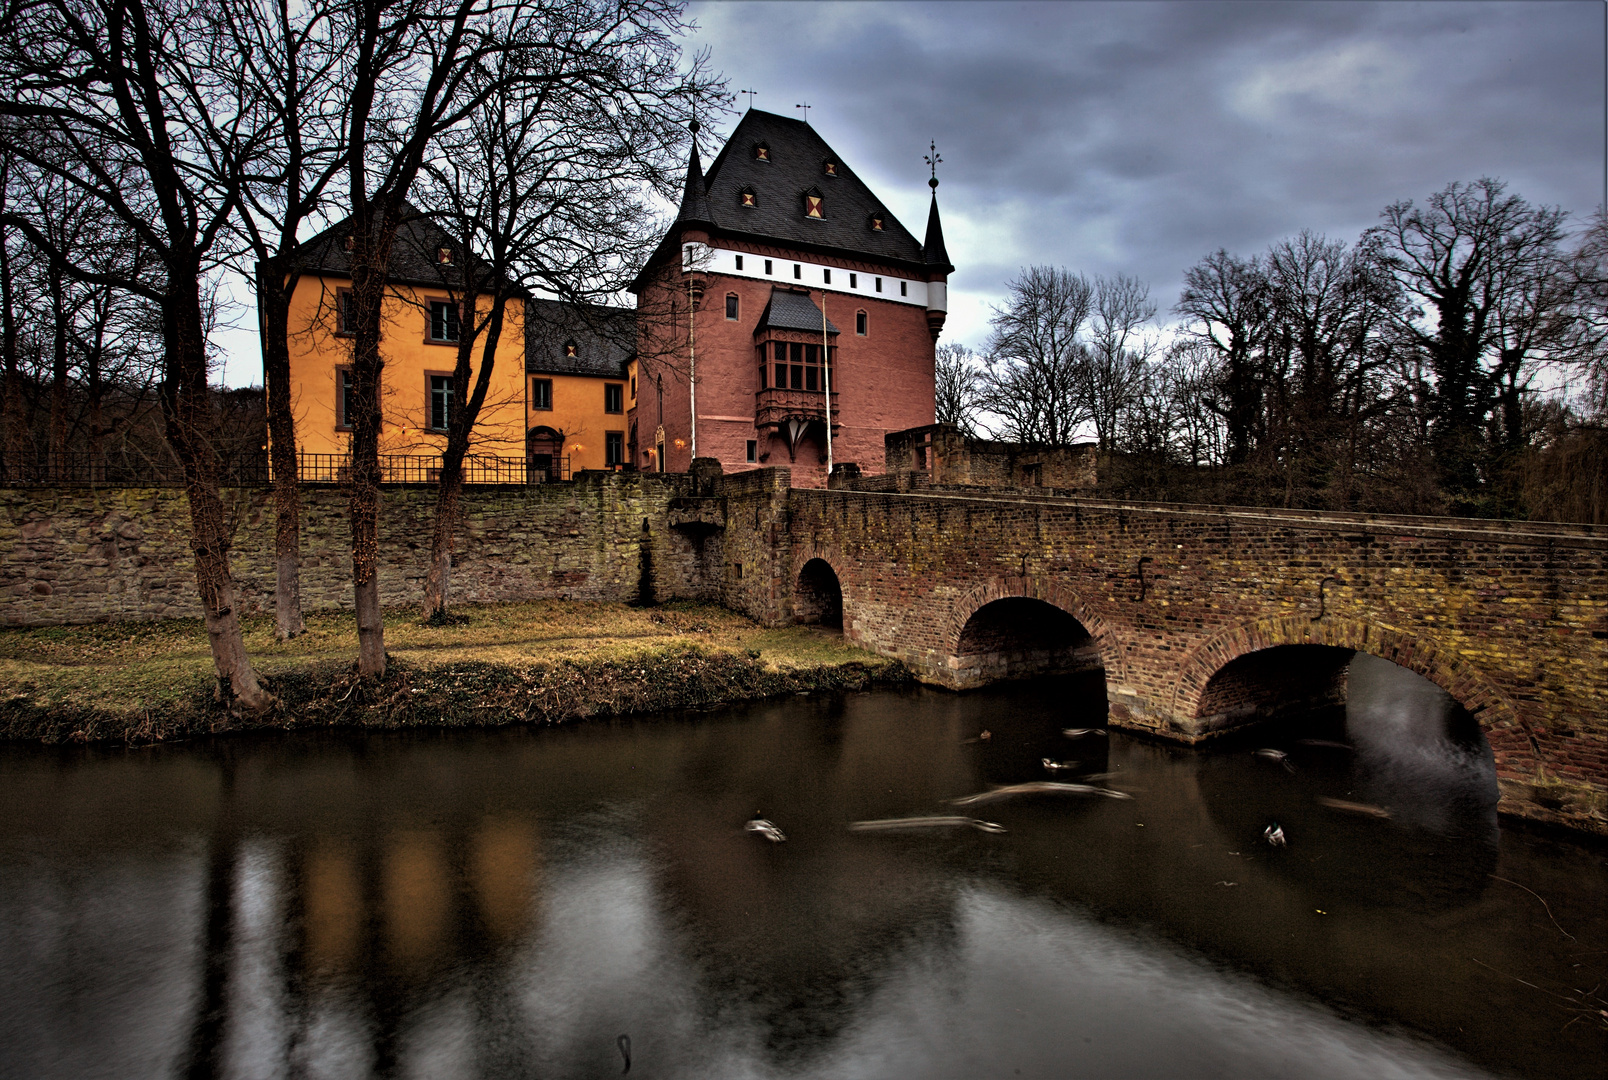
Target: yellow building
578, 388
419, 335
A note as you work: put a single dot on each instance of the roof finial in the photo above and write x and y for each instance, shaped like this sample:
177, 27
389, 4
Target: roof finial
806, 106
751, 95
933, 160
694, 126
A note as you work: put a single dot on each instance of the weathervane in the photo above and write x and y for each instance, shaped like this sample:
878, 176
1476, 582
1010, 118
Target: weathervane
806, 107
751, 95
933, 160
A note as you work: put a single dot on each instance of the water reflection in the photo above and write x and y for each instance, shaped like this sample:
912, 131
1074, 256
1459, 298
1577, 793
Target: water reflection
509, 903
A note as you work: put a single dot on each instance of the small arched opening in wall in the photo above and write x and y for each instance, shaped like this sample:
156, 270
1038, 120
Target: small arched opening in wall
818, 598
1020, 637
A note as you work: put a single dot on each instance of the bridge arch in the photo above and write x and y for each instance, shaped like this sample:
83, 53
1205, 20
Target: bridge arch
952, 628
818, 595
1466, 685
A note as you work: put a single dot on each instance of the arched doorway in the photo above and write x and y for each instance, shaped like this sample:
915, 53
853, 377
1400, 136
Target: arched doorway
544, 454
1018, 637
818, 598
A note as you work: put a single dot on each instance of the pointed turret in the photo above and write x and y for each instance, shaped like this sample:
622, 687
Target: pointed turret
938, 265
932, 252
694, 197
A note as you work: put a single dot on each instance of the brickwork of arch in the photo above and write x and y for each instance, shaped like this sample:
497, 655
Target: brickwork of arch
1033, 587
1467, 686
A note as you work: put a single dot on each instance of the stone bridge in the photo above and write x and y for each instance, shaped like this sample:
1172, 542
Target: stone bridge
1203, 618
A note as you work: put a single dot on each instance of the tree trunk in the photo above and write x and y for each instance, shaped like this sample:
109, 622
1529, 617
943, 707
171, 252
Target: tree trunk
274, 289
10, 404
450, 491
58, 379
448, 498
192, 429
373, 236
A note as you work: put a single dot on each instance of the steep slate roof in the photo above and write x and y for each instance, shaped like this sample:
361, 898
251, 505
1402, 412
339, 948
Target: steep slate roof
605, 338
789, 310
797, 164
413, 257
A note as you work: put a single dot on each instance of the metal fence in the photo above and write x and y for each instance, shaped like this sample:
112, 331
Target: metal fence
88, 470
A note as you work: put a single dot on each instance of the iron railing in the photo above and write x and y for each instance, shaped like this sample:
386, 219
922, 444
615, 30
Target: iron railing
87, 470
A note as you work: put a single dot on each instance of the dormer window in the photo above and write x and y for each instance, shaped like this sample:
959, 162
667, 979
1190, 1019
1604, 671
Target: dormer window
812, 205
876, 222
761, 152
569, 350
747, 197
444, 256
830, 168
349, 243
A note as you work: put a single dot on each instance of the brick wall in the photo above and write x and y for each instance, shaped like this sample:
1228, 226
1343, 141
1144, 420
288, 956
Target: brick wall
76, 556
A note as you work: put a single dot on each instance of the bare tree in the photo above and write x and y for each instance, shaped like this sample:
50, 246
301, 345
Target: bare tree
1118, 352
1031, 387
116, 99
1476, 259
287, 62
957, 378
1225, 305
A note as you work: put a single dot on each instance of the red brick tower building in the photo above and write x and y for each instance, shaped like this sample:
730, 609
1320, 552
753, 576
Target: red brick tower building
795, 276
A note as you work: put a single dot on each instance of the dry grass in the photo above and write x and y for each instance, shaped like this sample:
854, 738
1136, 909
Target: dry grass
131, 666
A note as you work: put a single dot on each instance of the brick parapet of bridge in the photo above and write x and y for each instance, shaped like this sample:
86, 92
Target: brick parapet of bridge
1510, 618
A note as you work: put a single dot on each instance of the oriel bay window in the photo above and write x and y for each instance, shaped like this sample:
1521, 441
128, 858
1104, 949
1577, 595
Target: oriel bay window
793, 365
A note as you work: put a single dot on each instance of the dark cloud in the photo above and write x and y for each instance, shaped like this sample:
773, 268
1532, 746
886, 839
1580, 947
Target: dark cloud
1136, 137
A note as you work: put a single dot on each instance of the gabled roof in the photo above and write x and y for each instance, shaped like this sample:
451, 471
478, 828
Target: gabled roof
790, 310
414, 256
604, 338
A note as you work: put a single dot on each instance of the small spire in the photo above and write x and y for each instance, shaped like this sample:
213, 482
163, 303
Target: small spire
694, 197
932, 252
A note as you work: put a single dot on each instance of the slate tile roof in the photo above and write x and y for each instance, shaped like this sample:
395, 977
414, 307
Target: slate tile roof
796, 165
414, 257
604, 337
790, 310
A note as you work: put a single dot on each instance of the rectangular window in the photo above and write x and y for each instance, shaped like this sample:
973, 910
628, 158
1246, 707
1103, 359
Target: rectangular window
781, 376
613, 395
343, 404
541, 394
827, 276
798, 271
739, 262
854, 281
797, 376
633, 388
904, 288
344, 322
767, 266
440, 402
443, 321
753, 455
879, 284
613, 448
731, 306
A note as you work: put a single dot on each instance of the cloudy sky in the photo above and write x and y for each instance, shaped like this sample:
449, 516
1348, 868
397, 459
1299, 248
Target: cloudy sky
1137, 137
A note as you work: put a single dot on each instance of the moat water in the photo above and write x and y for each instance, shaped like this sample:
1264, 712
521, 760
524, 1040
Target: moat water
513, 902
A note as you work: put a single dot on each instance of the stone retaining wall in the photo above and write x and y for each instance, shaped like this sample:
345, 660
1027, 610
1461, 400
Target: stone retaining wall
73, 555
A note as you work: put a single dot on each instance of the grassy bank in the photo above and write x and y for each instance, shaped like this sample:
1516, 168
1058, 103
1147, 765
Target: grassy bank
542, 662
